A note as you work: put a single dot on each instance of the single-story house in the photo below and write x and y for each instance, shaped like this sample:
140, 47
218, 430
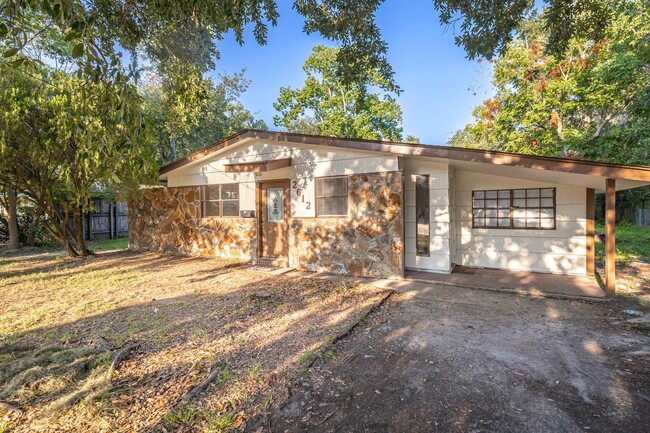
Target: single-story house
373, 208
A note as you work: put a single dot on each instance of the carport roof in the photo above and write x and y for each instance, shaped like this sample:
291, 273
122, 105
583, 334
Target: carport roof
638, 173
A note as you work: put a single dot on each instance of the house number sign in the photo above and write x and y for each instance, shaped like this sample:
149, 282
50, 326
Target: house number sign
299, 193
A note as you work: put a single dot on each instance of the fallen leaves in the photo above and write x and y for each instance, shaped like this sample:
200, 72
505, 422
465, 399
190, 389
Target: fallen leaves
248, 328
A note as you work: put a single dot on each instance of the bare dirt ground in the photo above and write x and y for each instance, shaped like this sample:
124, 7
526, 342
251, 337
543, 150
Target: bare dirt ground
121, 341
435, 359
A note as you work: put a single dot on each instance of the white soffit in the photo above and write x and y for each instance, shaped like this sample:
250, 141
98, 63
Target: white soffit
550, 176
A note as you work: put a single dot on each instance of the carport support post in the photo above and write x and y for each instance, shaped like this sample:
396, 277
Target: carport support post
610, 237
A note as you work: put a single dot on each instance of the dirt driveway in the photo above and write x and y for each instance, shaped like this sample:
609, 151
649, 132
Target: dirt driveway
443, 359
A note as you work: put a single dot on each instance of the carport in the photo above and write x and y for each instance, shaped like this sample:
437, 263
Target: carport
523, 283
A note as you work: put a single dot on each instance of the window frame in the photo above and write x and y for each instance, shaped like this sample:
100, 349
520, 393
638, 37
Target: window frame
425, 178
219, 200
512, 208
347, 197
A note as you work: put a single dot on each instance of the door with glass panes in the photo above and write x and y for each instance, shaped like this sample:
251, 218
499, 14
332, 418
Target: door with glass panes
275, 209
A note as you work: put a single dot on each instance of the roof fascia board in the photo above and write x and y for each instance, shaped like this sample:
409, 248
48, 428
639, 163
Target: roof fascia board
202, 154
614, 171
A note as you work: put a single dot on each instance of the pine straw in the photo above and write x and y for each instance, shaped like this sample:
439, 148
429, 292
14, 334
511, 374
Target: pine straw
122, 340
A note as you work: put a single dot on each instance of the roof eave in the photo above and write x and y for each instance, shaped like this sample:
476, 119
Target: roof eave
614, 171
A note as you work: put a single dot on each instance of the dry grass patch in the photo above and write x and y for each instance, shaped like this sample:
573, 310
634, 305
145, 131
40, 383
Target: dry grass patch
174, 321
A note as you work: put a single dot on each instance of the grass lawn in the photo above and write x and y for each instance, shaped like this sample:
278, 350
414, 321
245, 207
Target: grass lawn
632, 244
109, 244
121, 340
632, 260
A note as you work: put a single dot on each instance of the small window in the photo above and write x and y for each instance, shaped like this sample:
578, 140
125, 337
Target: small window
275, 204
220, 200
332, 196
531, 208
422, 215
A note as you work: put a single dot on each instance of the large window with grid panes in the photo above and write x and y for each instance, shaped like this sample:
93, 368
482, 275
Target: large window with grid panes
528, 208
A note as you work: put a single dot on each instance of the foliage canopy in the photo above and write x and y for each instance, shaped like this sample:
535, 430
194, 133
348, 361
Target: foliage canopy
181, 128
593, 103
185, 33
62, 137
326, 105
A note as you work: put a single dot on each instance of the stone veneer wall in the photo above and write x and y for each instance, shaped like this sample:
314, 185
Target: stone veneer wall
169, 220
366, 243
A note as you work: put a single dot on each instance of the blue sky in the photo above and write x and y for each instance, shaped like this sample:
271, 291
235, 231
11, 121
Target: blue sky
432, 71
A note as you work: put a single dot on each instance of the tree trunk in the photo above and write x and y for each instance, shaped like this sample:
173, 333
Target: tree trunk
60, 233
80, 237
33, 227
71, 251
56, 220
61, 225
173, 156
12, 220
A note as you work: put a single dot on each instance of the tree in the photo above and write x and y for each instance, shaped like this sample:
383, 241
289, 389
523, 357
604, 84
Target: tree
180, 37
591, 103
66, 134
183, 34
412, 139
182, 129
61, 138
488, 26
12, 219
8, 201
326, 105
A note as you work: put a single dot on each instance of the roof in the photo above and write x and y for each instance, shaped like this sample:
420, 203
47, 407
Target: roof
639, 173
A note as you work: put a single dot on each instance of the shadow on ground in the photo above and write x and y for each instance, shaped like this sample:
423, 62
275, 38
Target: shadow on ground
184, 318
457, 360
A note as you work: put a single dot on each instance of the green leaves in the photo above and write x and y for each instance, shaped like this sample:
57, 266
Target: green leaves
328, 105
486, 27
11, 52
194, 112
71, 35
173, 34
17, 63
351, 23
585, 19
591, 103
69, 134
78, 50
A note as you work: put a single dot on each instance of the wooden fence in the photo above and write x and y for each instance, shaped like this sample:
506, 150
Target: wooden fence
643, 217
107, 220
